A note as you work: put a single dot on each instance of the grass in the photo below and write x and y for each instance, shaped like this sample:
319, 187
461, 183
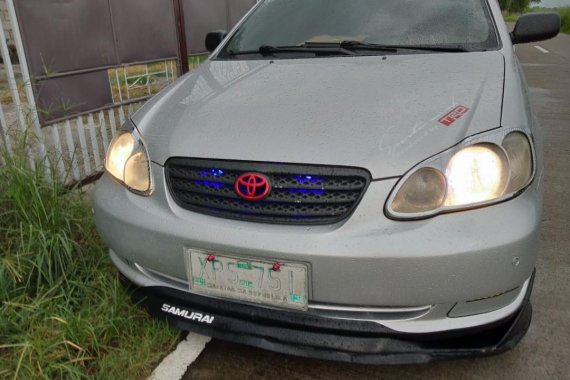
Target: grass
564, 13
63, 313
511, 17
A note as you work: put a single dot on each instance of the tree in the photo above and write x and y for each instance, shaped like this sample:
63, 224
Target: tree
516, 6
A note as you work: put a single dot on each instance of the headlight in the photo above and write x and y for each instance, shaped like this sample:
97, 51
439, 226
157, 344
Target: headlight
424, 191
127, 161
476, 174
481, 171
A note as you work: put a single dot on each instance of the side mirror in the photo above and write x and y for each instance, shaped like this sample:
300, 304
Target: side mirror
534, 27
214, 39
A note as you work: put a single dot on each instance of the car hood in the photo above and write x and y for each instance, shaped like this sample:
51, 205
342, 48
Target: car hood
379, 113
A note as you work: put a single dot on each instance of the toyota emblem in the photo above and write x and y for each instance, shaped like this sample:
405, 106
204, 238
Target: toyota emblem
252, 186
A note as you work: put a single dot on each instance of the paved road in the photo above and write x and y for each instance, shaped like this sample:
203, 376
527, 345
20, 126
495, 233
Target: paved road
545, 351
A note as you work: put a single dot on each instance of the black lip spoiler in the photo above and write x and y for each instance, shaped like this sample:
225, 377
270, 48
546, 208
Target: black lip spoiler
311, 336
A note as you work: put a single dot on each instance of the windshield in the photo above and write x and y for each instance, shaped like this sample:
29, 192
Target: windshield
462, 24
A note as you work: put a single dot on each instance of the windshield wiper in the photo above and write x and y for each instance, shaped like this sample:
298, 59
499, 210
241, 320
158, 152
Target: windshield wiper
341, 48
267, 50
443, 49
357, 45
352, 45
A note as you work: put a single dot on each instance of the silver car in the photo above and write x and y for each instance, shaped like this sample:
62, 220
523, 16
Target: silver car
348, 180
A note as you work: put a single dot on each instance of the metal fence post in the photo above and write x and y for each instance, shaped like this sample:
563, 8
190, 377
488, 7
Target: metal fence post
33, 111
182, 54
5, 135
11, 77
12, 84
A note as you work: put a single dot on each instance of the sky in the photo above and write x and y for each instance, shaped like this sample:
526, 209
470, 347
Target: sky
554, 3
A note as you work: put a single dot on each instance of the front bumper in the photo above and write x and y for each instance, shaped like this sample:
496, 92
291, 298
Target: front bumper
312, 336
380, 291
367, 260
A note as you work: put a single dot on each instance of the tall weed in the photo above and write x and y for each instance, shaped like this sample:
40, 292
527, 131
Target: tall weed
63, 313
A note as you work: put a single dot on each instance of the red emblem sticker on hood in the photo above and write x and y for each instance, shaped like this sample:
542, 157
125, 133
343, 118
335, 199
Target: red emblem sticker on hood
452, 116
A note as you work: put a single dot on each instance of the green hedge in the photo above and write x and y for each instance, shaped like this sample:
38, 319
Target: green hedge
565, 13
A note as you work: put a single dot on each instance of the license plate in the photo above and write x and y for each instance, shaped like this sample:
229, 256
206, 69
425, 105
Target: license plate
246, 279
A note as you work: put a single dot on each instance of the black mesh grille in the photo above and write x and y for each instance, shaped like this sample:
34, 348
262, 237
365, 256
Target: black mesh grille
300, 194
